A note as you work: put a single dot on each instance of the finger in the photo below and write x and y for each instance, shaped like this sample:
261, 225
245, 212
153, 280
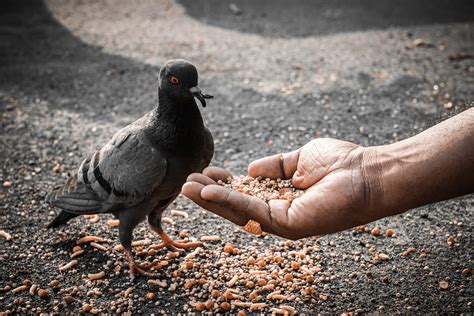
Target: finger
200, 178
322, 220
277, 166
242, 204
193, 190
217, 173
279, 214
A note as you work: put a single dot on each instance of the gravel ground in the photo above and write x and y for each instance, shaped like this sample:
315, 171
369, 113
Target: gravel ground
72, 73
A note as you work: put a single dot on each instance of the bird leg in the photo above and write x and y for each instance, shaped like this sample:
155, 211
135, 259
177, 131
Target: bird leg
175, 246
126, 226
134, 268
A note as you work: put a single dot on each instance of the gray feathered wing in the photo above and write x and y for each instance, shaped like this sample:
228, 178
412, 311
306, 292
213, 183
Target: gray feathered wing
120, 175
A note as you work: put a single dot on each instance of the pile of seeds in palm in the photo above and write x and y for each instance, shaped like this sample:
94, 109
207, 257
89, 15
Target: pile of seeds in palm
265, 189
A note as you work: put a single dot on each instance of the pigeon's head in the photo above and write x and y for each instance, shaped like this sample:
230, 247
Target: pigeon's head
179, 78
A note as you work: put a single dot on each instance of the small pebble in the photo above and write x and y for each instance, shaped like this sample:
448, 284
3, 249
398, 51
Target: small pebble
443, 285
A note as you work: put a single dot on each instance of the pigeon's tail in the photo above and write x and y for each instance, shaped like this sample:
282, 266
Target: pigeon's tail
62, 218
74, 197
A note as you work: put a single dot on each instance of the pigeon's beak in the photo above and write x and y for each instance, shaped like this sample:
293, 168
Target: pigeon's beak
196, 92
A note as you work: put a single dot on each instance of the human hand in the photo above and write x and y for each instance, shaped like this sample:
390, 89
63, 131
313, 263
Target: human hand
339, 191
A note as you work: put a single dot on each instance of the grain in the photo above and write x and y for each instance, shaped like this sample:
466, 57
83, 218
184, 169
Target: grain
261, 282
228, 248
19, 289
280, 297
150, 296
42, 293
179, 213
128, 291
68, 299
253, 227
269, 296
199, 306
209, 305
295, 265
451, 241
98, 246
5, 235
54, 283
264, 189
228, 295
258, 305
225, 306
77, 253
118, 247
241, 304
33, 289
157, 282
210, 238
96, 276
288, 308
142, 242
443, 285
375, 232
68, 265
113, 222
381, 257
466, 271
189, 283
232, 281
94, 219
167, 220
279, 311
87, 239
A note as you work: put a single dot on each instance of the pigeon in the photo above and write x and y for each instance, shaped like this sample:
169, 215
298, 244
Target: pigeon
141, 170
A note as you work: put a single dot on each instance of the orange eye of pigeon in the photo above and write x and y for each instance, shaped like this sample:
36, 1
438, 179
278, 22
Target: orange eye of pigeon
174, 80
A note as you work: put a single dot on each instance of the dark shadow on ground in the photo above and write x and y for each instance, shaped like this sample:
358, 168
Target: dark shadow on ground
303, 18
40, 58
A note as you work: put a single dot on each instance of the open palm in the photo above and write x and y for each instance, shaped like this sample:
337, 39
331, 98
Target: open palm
337, 194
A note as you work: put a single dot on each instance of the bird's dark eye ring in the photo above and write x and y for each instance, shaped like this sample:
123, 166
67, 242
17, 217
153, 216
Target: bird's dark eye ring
174, 80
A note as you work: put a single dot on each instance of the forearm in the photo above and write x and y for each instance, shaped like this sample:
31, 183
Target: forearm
435, 165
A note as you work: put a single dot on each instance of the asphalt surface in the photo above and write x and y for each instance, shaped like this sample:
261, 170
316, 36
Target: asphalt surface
72, 73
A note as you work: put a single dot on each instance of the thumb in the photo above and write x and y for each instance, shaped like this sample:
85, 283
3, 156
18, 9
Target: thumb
277, 166
298, 179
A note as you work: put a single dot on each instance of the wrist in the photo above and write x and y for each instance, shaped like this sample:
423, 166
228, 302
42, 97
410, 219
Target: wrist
382, 168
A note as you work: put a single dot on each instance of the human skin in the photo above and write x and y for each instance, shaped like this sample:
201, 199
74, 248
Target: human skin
346, 184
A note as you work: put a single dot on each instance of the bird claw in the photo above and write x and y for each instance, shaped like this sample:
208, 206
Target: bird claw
135, 269
176, 246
